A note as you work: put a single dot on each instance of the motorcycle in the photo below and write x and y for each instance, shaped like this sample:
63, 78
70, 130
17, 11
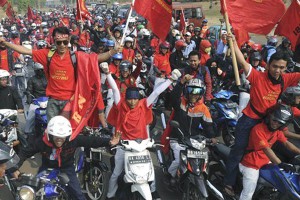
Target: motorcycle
224, 112
40, 114
192, 172
48, 184
139, 170
91, 170
273, 183
8, 129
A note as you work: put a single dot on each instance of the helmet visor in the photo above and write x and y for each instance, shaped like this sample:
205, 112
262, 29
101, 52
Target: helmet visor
195, 90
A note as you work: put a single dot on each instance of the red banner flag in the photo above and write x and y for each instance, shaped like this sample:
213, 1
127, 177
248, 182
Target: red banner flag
82, 11
254, 16
3, 2
158, 13
87, 91
30, 14
65, 21
182, 22
289, 24
10, 12
241, 36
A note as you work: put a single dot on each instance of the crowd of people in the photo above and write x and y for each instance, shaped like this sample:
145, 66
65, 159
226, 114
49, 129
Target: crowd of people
188, 60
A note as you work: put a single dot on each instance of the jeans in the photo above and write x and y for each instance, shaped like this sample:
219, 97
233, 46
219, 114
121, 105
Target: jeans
250, 177
242, 133
73, 188
54, 107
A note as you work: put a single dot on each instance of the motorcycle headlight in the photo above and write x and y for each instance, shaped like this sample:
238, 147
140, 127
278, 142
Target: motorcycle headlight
26, 193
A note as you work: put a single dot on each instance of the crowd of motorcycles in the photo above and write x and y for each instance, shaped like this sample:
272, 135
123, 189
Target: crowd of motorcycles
202, 163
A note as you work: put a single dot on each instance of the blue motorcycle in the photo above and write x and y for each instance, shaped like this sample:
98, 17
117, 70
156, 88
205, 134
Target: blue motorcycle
40, 114
225, 111
281, 185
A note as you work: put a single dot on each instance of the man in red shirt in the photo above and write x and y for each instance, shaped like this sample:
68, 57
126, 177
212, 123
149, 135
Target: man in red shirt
259, 152
264, 93
60, 72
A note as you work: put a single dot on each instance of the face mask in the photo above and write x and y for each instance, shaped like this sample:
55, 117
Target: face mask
207, 50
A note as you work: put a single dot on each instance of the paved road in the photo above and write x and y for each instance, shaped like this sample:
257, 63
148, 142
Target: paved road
31, 166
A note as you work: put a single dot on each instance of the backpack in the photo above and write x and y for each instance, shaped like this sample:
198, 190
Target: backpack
73, 59
264, 53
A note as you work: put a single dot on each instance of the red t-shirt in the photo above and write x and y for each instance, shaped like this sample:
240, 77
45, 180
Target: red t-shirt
131, 122
61, 75
296, 112
4, 60
263, 93
128, 54
162, 62
260, 138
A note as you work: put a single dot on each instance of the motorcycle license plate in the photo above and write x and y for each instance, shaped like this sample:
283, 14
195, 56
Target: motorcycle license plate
231, 105
139, 159
196, 154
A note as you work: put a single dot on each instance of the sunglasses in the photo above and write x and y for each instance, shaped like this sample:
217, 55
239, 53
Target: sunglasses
58, 43
193, 90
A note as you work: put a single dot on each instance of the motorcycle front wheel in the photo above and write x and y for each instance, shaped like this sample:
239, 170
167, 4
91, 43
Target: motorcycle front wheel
192, 193
96, 183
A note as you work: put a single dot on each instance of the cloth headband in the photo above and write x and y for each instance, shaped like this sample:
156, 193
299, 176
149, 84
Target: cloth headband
60, 36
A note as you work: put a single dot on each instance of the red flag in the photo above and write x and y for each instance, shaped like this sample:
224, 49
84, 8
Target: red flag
82, 11
30, 14
241, 36
182, 21
65, 21
10, 12
86, 94
3, 2
158, 13
254, 16
289, 24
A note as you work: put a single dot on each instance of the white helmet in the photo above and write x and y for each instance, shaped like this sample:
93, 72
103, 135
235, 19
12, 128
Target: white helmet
128, 39
27, 44
33, 25
145, 32
44, 24
4, 73
59, 126
13, 28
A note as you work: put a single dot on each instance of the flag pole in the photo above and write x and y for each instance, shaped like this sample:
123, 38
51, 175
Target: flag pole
79, 8
127, 22
234, 62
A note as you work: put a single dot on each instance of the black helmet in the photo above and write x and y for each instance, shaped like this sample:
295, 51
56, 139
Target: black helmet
281, 113
289, 95
125, 65
255, 56
8, 156
117, 28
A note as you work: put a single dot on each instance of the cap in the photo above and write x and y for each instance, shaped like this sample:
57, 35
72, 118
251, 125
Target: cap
224, 32
188, 34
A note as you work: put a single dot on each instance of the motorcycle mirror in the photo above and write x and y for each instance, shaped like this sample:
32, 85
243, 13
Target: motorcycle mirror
174, 124
63, 178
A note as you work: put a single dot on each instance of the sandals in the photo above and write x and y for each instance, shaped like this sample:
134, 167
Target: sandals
229, 192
